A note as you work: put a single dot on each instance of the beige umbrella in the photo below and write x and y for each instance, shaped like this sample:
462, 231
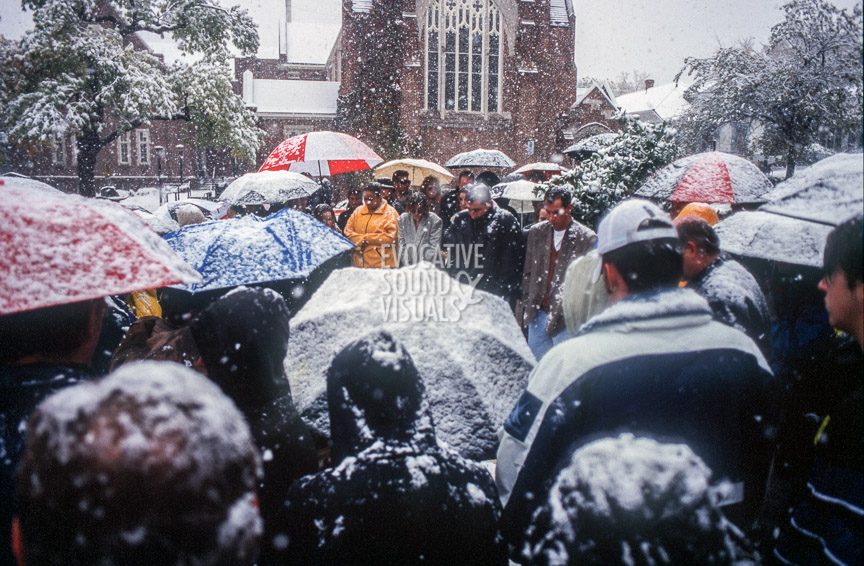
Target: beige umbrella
418, 169
540, 167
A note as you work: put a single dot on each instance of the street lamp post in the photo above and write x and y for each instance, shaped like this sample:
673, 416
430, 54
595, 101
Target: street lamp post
160, 151
180, 147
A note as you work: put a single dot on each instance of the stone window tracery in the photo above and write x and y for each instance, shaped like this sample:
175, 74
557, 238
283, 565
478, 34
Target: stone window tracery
463, 56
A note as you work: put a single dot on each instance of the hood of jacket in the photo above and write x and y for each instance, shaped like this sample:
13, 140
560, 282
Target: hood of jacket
653, 310
242, 338
375, 393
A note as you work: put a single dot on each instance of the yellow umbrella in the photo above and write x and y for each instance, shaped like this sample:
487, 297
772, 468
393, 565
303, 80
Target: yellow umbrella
418, 169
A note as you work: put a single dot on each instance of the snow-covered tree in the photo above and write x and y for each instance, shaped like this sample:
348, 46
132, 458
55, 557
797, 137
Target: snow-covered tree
806, 81
618, 170
80, 72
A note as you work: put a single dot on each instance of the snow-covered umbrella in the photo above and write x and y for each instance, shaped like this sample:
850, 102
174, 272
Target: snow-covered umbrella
249, 250
158, 224
517, 190
212, 210
772, 237
418, 169
829, 191
268, 187
539, 167
61, 248
711, 177
586, 147
489, 158
321, 154
25, 183
465, 343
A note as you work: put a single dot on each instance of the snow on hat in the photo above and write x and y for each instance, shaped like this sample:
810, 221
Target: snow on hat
630, 222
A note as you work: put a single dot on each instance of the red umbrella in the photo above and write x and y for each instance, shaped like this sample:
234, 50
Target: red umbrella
712, 177
61, 248
321, 154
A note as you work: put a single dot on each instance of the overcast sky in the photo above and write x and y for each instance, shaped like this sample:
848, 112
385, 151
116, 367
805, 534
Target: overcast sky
612, 36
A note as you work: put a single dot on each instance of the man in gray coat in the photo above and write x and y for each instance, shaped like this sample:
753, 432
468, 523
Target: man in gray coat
552, 245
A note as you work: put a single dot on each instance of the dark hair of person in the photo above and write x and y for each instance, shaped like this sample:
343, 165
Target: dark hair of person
488, 178
417, 202
843, 251
320, 209
400, 175
648, 265
554, 193
700, 233
57, 331
374, 187
355, 191
466, 173
479, 192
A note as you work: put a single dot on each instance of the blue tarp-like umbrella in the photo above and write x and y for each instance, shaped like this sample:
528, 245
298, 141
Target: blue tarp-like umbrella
249, 250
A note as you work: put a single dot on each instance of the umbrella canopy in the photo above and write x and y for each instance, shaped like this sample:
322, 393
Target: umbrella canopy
541, 167
158, 224
418, 169
465, 343
60, 249
585, 147
491, 158
517, 190
249, 250
25, 183
268, 187
830, 191
712, 177
763, 235
321, 154
211, 209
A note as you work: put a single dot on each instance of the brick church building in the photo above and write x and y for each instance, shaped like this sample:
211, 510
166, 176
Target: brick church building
497, 74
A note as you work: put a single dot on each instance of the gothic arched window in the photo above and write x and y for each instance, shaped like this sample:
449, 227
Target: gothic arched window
463, 56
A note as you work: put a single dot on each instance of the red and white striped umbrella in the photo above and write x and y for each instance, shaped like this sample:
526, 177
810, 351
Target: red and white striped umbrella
321, 154
712, 177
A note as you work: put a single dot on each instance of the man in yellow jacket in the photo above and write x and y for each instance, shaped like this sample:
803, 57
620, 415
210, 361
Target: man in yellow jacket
373, 229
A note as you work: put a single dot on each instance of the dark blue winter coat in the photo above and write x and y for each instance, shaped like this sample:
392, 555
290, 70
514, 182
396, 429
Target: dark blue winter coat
655, 364
394, 496
22, 388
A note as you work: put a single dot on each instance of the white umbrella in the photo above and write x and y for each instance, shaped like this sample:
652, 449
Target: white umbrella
268, 187
211, 209
585, 147
829, 191
517, 190
418, 169
471, 354
25, 183
491, 158
772, 237
541, 167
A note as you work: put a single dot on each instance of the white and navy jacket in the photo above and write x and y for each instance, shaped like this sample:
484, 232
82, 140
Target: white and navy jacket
655, 364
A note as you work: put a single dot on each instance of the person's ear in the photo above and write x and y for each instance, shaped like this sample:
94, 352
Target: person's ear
616, 285
17, 543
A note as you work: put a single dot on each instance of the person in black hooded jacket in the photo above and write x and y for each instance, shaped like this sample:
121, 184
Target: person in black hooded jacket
242, 338
394, 496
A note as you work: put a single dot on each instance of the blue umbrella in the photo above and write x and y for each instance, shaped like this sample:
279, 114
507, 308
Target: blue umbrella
249, 250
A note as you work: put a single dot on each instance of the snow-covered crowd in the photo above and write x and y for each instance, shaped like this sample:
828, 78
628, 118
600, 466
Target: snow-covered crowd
666, 421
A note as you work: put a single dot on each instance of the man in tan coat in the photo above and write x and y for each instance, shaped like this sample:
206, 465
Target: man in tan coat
373, 228
552, 245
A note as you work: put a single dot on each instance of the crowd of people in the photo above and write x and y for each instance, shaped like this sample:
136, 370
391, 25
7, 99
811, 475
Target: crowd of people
679, 411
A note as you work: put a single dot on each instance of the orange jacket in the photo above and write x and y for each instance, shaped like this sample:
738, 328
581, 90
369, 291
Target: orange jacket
379, 230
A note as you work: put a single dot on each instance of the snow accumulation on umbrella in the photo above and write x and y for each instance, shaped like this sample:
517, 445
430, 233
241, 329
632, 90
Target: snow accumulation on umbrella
321, 153
517, 190
763, 235
829, 191
591, 144
480, 158
269, 187
465, 343
63, 248
247, 250
556, 167
712, 177
418, 169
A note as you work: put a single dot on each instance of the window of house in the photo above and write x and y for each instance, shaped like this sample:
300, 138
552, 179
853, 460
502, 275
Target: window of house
463, 56
124, 149
143, 139
58, 146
